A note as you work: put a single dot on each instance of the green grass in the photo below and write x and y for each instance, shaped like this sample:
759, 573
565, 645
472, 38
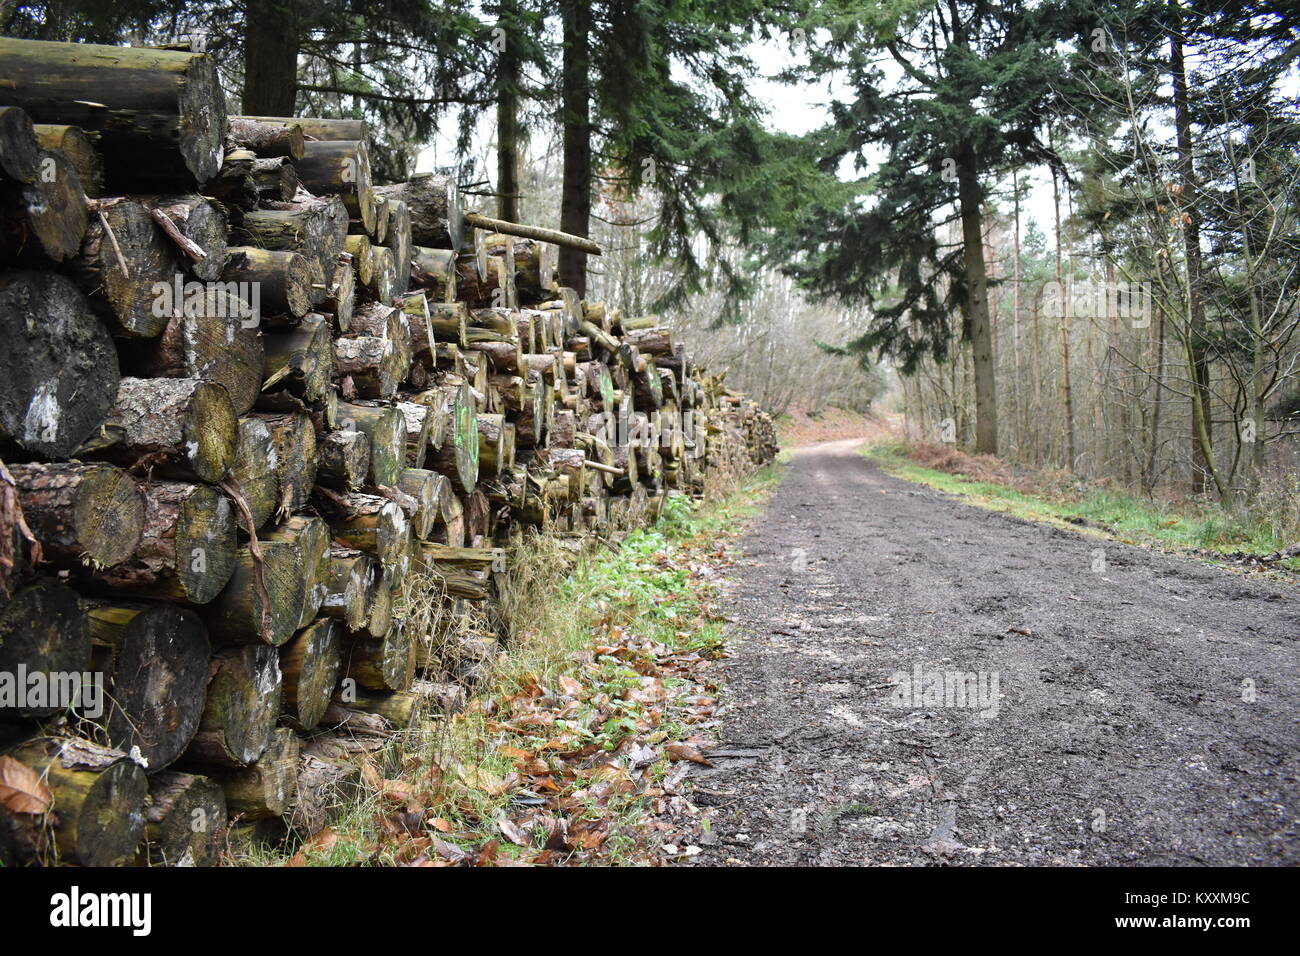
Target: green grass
1112, 514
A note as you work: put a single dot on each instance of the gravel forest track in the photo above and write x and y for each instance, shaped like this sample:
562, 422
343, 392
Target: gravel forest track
1127, 707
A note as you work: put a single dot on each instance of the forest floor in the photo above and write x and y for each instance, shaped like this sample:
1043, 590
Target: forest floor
1122, 706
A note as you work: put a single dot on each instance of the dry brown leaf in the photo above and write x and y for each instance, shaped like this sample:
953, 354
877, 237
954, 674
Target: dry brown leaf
322, 841
21, 788
684, 751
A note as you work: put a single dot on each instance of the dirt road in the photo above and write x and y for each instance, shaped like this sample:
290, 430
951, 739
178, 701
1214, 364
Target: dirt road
1120, 707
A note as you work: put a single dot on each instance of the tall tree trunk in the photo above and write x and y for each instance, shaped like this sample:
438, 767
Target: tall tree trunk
271, 37
575, 93
977, 304
1067, 395
1017, 405
508, 115
1202, 437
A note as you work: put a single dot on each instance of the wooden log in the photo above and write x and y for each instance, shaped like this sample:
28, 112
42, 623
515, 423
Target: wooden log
553, 236
458, 457
369, 365
279, 138
399, 240
255, 471
293, 437
58, 367
234, 186
178, 427
276, 179
344, 460
185, 820
383, 274
283, 279
437, 220
46, 216
311, 662
385, 427
341, 296
309, 536
434, 271
128, 263
398, 708
328, 786
326, 128
197, 227
379, 614
316, 228
426, 487
265, 788
377, 526
81, 513
160, 656
340, 168
491, 447
211, 339
300, 358
415, 310
449, 321
97, 815
237, 615
387, 663
187, 548
160, 113
351, 581
43, 629
20, 149
241, 707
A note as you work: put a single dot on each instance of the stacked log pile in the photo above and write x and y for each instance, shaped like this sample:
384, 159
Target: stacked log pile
268, 428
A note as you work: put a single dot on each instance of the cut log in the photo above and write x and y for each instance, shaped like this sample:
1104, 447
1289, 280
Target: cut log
371, 364
187, 549
160, 113
398, 239
212, 339
58, 367
427, 488
315, 228
128, 261
43, 629
310, 537
20, 149
46, 216
176, 427
282, 279
160, 671
197, 227
301, 358
241, 708
344, 460
351, 582
311, 662
377, 526
265, 788
340, 168
385, 427
458, 456
97, 815
384, 664
433, 200
255, 471
185, 820
434, 270
236, 614
293, 437
278, 138
81, 513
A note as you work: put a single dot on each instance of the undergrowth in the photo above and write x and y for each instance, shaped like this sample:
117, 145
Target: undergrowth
598, 657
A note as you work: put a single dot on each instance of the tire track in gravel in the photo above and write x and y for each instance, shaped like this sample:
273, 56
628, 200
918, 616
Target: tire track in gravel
1123, 731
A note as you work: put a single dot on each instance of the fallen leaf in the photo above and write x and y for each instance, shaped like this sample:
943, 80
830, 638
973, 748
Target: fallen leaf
684, 751
322, 841
21, 788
